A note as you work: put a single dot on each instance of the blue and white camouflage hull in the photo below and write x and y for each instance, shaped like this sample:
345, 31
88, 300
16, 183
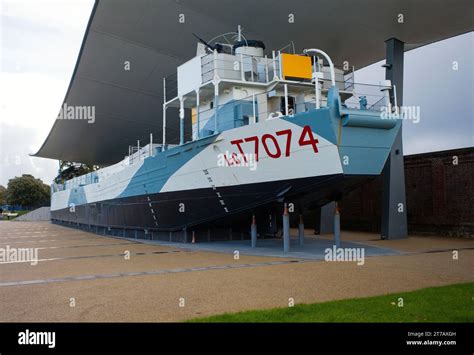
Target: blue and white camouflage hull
309, 158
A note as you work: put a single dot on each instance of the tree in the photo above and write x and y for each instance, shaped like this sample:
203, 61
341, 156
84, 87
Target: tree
27, 191
3, 195
69, 170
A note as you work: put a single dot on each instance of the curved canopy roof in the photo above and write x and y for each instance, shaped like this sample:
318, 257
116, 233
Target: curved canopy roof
148, 34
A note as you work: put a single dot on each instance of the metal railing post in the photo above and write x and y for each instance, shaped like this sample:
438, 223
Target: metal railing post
317, 89
385, 88
242, 73
280, 65
164, 115
251, 70
216, 105
181, 121
275, 76
266, 69
395, 96
163, 148
215, 63
151, 145
254, 111
198, 103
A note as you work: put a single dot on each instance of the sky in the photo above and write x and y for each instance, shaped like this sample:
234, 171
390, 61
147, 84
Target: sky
40, 42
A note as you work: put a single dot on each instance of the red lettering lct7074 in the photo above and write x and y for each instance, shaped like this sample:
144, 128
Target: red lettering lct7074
271, 145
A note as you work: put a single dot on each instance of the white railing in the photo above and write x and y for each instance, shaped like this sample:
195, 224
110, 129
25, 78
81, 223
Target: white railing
239, 67
137, 153
370, 97
362, 97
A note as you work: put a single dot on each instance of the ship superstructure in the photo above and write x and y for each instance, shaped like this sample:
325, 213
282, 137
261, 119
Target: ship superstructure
267, 127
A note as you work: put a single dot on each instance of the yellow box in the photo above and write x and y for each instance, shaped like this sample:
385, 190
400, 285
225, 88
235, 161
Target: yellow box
296, 66
193, 115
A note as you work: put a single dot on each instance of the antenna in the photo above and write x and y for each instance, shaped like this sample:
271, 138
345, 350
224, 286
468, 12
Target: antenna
204, 42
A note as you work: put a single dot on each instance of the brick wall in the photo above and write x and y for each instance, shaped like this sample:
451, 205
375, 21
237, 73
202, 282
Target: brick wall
440, 196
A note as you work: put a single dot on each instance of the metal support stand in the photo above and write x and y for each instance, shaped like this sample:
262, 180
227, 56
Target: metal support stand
286, 230
181, 121
301, 230
273, 227
326, 225
337, 226
163, 148
253, 232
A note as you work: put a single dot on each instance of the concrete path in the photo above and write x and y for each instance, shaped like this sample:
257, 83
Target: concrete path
80, 276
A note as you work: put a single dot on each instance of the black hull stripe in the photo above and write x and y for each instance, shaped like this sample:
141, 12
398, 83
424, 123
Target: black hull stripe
174, 211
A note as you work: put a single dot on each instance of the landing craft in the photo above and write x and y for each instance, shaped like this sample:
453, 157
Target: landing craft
312, 135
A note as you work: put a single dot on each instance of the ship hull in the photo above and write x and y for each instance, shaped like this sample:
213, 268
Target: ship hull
202, 208
307, 160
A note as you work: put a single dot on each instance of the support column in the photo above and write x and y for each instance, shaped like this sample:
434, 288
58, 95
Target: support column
253, 232
274, 224
151, 145
216, 93
394, 212
198, 123
286, 230
326, 225
301, 230
185, 235
337, 226
164, 115
216, 107
181, 120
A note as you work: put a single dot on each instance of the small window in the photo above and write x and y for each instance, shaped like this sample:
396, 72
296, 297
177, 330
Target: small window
291, 104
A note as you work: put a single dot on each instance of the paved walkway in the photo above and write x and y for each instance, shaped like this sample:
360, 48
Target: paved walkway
111, 279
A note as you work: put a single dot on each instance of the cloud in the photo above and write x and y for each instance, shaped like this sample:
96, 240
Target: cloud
31, 100
29, 104
40, 43
49, 14
443, 95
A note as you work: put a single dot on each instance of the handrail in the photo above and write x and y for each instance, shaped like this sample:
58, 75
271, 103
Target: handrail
382, 99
